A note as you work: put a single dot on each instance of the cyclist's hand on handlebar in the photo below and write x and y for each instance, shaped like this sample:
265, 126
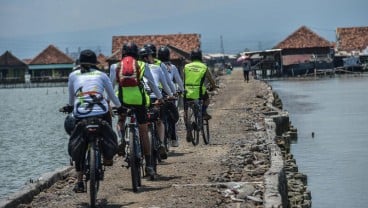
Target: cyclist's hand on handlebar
171, 97
66, 109
159, 101
119, 110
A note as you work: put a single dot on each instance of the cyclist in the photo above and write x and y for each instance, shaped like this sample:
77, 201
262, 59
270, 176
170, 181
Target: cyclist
195, 74
86, 86
140, 101
145, 55
162, 65
173, 72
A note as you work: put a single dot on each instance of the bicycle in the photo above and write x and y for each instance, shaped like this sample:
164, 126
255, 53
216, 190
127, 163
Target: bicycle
133, 149
92, 167
170, 133
153, 117
195, 123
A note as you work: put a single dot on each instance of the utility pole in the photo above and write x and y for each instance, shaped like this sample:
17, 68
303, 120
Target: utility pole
222, 49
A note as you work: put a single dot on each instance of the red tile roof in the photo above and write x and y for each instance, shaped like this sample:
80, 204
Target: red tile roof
352, 39
185, 42
52, 55
8, 59
303, 38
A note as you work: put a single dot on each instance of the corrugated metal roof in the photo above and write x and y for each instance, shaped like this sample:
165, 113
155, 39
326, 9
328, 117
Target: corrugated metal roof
50, 66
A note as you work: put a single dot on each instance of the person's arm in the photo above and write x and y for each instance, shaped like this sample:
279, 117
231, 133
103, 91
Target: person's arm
110, 91
177, 78
151, 82
71, 89
164, 84
210, 79
112, 75
167, 77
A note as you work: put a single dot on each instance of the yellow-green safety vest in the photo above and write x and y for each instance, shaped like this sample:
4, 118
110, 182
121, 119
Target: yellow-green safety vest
136, 95
194, 76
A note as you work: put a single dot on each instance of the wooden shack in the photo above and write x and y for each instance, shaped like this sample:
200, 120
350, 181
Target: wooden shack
303, 51
12, 70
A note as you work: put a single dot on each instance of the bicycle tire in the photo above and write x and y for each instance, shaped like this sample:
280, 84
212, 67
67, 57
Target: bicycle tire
155, 156
134, 161
193, 122
206, 132
93, 181
168, 135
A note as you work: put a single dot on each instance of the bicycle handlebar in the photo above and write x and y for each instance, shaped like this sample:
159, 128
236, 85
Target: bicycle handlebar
66, 109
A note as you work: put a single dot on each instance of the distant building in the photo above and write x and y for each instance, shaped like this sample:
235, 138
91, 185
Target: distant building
303, 51
351, 47
183, 42
12, 70
50, 64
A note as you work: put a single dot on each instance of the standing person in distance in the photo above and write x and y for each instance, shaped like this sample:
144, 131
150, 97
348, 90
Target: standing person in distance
86, 86
246, 69
163, 55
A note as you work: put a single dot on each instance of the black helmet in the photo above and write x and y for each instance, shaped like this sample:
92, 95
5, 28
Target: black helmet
163, 53
87, 57
153, 49
69, 123
129, 49
144, 52
196, 54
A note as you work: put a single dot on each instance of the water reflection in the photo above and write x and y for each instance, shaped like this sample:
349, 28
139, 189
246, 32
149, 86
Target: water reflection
335, 160
32, 137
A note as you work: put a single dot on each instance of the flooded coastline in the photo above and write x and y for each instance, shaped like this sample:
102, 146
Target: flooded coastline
330, 115
32, 137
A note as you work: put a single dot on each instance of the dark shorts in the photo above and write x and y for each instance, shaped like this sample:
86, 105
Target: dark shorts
141, 114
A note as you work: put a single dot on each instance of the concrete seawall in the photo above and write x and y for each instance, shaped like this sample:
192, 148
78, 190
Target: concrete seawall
284, 185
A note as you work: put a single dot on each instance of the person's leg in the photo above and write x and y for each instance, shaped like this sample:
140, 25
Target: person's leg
141, 114
161, 135
206, 103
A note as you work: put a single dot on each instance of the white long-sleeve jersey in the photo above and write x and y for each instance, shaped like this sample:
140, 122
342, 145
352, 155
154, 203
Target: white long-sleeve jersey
167, 76
175, 76
86, 93
159, 79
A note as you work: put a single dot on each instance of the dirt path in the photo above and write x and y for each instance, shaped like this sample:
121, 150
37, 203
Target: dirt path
198, 176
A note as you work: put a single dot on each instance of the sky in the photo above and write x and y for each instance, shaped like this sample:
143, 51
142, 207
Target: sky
229, 26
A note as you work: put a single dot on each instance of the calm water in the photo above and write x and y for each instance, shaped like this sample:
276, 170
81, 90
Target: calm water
32, 136
336, 159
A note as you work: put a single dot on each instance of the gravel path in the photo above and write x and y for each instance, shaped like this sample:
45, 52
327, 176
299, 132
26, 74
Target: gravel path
227, 173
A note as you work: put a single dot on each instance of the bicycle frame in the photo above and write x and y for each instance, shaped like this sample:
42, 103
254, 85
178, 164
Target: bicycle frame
133, 148
194, 121
92, 168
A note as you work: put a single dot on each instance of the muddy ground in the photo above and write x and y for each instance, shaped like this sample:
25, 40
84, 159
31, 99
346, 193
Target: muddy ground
227, 173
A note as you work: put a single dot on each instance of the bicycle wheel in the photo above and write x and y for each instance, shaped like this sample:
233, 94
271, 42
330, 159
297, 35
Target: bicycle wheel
134, 160
93, 180
193, 125
168, 134
206, 132
155, 156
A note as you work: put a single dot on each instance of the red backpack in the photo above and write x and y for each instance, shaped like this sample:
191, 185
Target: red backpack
128, 73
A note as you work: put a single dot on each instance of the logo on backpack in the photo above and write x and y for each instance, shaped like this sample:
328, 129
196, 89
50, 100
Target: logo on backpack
128, 75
